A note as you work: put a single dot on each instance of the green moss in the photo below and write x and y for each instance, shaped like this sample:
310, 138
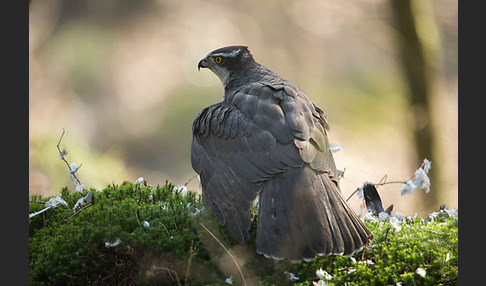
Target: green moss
69, 249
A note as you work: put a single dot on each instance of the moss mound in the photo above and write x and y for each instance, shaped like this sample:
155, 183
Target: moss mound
137, 234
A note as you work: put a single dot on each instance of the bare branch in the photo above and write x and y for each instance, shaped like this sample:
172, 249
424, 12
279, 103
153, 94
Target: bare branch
77, 212
72, 170
189, 262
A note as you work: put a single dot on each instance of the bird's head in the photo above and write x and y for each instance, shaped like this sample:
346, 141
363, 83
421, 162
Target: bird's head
227, 61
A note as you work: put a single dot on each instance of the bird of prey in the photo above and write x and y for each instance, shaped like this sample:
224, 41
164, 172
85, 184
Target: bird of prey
267, 138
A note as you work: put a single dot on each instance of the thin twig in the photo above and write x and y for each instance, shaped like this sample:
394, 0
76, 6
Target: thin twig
62, 154
158, 268
168, 234
229, 253
352, 194
381, 183
189, 262
384, 182
190, 180
342, 174
138, 220
76, 213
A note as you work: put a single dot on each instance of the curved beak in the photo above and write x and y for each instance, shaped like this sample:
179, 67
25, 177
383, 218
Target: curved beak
202, 64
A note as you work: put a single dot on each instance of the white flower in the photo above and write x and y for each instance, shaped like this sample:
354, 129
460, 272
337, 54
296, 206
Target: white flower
73, 168
195, 213
335, 148
146, 224
427, 165
139, 180
52, 203
55, 201
322, 274
367, 262
112, 244
229, 280
79, 203
408, 187
421, 272
88, 196
421, 180
63, 153
181, 189
399, 216
383, 216
369, 217
79, 187
395, 223
292, 276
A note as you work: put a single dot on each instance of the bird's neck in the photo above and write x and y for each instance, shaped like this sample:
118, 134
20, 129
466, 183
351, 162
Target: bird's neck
247, 76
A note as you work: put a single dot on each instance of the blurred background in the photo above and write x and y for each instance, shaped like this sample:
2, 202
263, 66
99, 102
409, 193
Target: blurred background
121, 78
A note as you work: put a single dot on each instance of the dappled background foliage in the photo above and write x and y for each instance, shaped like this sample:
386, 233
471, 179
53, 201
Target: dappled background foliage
121, 78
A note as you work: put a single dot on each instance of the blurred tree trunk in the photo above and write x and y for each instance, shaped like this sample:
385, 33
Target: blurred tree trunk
419, 47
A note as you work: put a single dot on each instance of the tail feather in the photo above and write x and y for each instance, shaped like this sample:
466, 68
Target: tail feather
302, 214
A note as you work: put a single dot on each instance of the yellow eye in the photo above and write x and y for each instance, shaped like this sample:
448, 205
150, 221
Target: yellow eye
217, 60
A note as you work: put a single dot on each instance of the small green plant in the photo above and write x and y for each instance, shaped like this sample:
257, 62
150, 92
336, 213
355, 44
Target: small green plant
138, 234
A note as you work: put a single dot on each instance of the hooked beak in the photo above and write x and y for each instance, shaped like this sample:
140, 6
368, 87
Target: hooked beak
202, 64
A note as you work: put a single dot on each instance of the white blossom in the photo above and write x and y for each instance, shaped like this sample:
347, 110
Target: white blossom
408, 187
395, 223
383, 216
56, 201
399, 216
146, 224
229, 280
63, 153
322, 274
420, 180
335, 148
421, 272
79, 187
292, 276
73, 168
112, 244
51, 203
181, 189
369, 217
139, 180
78, 204
427, 165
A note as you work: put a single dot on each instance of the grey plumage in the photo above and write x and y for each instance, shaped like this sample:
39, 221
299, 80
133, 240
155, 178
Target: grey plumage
266, 137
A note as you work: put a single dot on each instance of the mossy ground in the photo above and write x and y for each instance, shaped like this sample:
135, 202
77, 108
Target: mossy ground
175, 248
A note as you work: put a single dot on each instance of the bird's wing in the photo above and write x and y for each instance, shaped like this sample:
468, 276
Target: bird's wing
260, 132
233, 156
287, 113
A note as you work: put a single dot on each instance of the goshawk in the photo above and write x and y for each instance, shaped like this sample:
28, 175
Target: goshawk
267, 138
